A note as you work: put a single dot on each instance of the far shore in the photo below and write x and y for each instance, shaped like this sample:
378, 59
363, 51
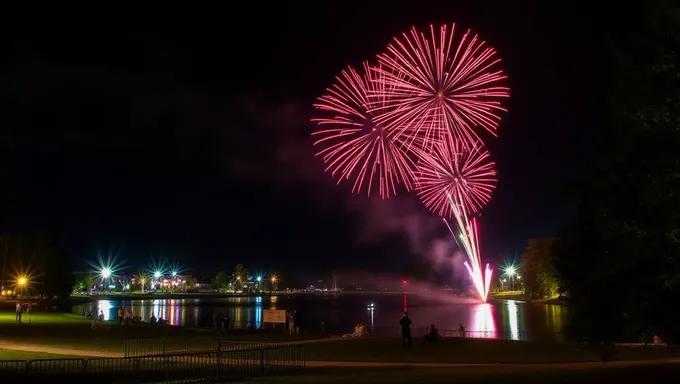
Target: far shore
78, 298
519, 296
202, 295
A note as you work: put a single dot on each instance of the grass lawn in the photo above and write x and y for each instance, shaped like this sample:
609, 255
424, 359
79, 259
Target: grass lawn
467, 351
8, 354
390, 375
74, 332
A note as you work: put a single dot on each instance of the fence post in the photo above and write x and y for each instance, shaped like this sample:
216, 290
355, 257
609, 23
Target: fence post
219, 365
262, 370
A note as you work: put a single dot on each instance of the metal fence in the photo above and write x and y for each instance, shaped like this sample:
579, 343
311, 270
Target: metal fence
453, 333
180, 367
157, 346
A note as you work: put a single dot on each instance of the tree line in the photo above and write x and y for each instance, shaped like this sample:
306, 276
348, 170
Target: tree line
617, 259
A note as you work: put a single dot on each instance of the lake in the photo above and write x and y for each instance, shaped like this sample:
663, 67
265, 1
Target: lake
511, 319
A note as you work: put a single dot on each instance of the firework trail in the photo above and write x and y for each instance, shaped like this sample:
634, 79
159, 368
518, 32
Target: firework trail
456, 181
355, 146
440, 85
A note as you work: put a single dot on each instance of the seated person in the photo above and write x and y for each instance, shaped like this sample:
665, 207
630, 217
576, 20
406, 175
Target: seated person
355, 333
153, 319
361, 330
432, 334
658, 341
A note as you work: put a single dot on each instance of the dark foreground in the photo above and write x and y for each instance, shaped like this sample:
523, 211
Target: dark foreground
601, 374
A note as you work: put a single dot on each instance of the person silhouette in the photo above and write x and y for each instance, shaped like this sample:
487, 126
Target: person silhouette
405, 324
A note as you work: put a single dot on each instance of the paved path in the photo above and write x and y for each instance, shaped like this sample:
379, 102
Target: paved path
577, 365
362, 364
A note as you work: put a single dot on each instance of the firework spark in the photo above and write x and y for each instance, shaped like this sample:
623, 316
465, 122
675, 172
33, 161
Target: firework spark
453, 169
355, 146
440, 85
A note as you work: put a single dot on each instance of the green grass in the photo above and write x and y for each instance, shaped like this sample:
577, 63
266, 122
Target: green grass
74, 332
390, 375
467, 351
38, 317
8, 354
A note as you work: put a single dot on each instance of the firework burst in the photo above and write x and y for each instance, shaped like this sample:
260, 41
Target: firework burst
354, 146
452, 169
440, 85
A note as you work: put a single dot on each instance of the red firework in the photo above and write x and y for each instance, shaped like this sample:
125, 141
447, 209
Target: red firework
456, 172
355, 147
440, 85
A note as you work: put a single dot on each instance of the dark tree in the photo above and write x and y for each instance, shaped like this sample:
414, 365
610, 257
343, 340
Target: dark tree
618, 256
538, 271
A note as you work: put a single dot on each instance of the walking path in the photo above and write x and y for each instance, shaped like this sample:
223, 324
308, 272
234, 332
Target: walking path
361, 364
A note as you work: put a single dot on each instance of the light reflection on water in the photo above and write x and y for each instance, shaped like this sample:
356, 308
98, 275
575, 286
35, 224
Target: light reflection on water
483, 320
513, 319
507, 318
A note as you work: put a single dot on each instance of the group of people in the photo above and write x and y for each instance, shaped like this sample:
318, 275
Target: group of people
20, 311
431, 335
125, 316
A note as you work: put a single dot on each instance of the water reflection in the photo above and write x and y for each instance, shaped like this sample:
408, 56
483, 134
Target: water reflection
511, 306
553, 318
484, 323
105, 307
511, 319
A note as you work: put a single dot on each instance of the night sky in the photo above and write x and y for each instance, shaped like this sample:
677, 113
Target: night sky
184, 132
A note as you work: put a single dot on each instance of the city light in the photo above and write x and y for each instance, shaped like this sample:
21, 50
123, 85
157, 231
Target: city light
174, 273
22, 281
259, 279
105, 272
157, 274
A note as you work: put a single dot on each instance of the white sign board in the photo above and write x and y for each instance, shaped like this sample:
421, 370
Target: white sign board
274, 316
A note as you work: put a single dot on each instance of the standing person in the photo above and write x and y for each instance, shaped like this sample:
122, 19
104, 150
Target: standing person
405, 323
461, 331
291, 322
29, 312
18, 308
120, 315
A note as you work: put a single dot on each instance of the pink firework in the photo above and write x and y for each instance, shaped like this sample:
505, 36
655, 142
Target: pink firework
354, 146
441, 85
455, 171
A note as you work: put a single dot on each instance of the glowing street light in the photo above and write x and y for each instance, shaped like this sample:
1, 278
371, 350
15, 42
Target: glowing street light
22, 281
105, 272
157, 274
511, 271
259, 279
174, 273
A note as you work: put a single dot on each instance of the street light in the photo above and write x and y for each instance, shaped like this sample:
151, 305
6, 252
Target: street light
511, 271
259, 279
22, 281
105, 273
157, 274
